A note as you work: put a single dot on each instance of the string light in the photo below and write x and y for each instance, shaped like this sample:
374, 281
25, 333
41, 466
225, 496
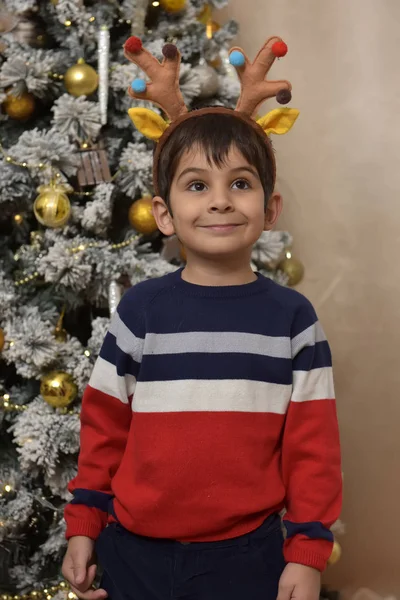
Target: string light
10, 406
46, 594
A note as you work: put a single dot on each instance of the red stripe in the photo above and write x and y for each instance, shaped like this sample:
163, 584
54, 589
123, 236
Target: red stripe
199, 476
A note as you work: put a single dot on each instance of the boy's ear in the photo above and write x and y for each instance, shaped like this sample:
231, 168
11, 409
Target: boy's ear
162, 216
279, 120
273, 211
148, 122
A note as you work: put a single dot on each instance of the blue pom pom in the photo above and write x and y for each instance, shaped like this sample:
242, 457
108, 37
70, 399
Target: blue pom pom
237, 58
138, 86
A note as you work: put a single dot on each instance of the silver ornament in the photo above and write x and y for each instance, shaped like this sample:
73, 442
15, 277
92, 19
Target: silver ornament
208, 79
104, 66
114, 296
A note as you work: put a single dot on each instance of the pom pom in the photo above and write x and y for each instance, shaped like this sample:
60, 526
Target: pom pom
138, 86
284, 96
170, 51
237, 59
279, 49
133, 44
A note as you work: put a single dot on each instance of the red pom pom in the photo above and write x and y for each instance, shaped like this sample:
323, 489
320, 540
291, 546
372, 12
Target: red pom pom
279, 49
133, 44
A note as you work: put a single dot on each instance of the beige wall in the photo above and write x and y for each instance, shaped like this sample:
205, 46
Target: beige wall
339, 171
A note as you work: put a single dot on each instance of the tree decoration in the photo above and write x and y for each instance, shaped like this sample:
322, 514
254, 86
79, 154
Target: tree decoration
52, 207
173, 6
58, 389
81, 79
104, 67
293, 269
59, 332
141, 216
114, 296
336, 554
2, 339
94, 167
21, 107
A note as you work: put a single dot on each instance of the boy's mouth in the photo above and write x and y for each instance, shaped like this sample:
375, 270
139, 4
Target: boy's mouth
222, 227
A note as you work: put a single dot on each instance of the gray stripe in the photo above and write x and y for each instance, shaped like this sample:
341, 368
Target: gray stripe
126, 340
212, 342
309, 337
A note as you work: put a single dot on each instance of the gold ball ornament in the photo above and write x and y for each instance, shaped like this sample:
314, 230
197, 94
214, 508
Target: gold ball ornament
58, 389
335, 555
205, 14
19, 108
141, 216
292, 268
2, 339
52, 207
173, 6
81, 79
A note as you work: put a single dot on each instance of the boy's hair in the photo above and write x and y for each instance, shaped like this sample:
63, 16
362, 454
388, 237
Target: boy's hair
215, 134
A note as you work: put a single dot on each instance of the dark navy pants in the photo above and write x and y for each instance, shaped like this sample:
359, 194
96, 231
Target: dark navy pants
243, 568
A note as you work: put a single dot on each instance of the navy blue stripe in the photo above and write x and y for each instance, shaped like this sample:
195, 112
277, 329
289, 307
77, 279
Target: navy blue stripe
113, 354
313, 357
304, 317
216, 366
313, 530
93, 499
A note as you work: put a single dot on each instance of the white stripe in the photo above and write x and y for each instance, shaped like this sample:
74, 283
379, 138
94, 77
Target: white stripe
211, 342
127, 341
234, 395
106, 379
316, 384
309, 337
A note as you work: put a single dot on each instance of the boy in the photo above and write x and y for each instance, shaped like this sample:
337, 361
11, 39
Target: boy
211, 407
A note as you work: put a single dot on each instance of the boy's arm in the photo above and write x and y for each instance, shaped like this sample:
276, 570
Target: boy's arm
311, 462
105, 422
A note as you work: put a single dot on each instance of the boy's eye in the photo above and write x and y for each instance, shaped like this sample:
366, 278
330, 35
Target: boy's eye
197, 186
241, 184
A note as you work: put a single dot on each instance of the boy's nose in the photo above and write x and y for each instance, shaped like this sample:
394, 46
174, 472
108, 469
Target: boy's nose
220, 203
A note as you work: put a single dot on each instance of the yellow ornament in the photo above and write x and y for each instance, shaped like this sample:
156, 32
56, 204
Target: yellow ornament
173, 6
211, 28
205, 14
2, 339
20, 107
52, 207
292, 268
58, 389
81, 79
141, 216
336, 554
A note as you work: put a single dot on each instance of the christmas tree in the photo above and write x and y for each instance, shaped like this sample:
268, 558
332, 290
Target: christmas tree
76, 231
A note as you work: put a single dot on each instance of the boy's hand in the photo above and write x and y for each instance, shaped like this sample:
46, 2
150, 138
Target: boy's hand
79, 568
299, 582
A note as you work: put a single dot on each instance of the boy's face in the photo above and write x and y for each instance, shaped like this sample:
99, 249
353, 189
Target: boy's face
217, 211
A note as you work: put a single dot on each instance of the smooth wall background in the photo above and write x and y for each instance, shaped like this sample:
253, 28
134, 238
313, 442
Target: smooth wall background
339, 173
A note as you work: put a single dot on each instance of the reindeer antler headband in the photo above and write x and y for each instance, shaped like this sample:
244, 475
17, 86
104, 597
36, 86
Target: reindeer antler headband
163, 90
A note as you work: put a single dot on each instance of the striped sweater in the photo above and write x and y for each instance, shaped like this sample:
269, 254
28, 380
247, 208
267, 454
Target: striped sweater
210, 408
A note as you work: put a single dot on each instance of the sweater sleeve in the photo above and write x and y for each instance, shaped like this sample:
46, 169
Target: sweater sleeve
311, 461
105, 423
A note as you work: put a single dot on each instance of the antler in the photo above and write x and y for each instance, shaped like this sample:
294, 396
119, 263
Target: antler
255, 88
163, 89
